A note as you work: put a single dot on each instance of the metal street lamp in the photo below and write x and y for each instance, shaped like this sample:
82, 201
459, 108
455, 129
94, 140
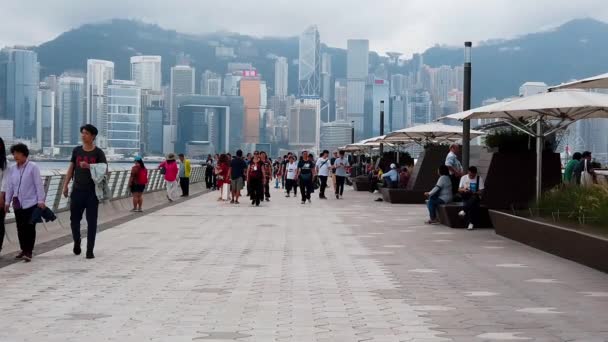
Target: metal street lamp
466, 124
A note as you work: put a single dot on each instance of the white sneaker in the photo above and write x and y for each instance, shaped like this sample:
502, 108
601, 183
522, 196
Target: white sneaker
470, 227
462, 213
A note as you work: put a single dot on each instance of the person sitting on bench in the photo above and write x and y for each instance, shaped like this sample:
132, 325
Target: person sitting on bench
440, 194
471, 188
391, 178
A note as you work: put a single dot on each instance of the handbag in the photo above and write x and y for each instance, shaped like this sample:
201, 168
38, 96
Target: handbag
163, 170
586, 177
225, 191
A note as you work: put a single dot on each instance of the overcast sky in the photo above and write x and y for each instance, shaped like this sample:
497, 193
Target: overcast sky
391, 25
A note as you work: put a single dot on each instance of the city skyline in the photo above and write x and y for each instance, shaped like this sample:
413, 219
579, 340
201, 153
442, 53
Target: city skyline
431, 22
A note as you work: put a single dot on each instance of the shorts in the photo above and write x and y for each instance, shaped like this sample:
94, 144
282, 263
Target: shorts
237, 184
137, 188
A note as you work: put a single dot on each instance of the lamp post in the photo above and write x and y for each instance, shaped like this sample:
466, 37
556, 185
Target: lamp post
352, 132
381, 126
466, 124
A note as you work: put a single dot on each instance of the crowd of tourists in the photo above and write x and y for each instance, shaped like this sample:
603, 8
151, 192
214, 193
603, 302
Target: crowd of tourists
256, 172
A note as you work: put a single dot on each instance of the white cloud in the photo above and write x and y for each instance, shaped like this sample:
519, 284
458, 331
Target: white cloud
390, 25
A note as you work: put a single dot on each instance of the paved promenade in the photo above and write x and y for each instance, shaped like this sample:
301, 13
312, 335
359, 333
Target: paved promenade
348, 270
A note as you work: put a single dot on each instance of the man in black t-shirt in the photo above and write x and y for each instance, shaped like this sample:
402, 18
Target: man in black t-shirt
84, 197
306, 171
237, 171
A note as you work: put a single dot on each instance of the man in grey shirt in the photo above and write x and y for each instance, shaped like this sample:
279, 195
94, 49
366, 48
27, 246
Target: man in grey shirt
340, 165
440, 194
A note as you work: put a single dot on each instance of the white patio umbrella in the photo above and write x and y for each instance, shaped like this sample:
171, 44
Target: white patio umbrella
594, 82
435, 132
561, 108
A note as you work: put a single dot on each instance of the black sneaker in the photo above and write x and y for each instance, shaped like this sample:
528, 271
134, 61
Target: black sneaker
232, 202
287, 195
337, 196
76, 248
309, 201
303, 202
268, 199
20, 255
90, 255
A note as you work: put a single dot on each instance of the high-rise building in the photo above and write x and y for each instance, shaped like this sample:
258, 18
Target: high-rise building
262, 111
211, 83
146, 72
335, 134
231, 83
99, 73
280, 105
182, 83
19, 80
328, 106
357, 67
309, 69
250, 92
398, 110
123, 108
532, 88
305, 123
45, 117
341, 100
71, 109
398, 84
154, 130
281, 72
420, 108
380, 90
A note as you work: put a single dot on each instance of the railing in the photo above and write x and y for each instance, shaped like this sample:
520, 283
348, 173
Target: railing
118, 183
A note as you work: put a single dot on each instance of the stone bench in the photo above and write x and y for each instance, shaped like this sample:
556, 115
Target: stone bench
402, 196
360, 183
448, 216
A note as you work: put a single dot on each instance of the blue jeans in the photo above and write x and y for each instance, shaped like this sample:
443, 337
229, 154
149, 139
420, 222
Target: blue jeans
433, 204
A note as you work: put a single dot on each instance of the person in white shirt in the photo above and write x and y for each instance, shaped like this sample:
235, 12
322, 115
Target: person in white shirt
340, 165
323, 166
290, 176
470, 189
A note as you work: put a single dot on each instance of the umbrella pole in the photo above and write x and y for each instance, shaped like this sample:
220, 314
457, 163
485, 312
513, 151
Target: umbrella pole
539, 158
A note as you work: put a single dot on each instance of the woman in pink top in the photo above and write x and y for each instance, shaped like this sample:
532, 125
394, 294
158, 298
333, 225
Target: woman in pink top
170, 172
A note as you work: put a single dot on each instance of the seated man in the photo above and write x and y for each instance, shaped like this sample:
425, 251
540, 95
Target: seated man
391, 178
470, 189
404, 178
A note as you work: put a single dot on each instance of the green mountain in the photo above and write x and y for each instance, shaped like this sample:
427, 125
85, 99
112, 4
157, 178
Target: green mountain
573, 50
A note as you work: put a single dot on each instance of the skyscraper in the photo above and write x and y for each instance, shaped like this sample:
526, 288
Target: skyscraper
182, 83
71, 108
250, 92
328, 107
19, 80
123, 108
380, 98
146, 72
309, 70
281, 72
210, 82
341, 100
357, 61
45, 116
305, 123
99, 73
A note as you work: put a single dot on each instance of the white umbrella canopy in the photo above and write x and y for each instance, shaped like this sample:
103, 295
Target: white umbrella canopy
434, 131
594, 82
567, 105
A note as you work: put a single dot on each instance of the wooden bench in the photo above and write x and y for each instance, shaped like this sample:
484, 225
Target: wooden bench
448, 216
402, 196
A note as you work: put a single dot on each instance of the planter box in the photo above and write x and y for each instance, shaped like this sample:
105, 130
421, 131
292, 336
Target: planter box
448, 216
584, 248
361, 183
402, 196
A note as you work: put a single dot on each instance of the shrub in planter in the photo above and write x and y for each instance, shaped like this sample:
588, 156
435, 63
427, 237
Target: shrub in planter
510, 140
583, 205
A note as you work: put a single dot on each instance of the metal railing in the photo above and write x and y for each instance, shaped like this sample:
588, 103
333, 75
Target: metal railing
118, 182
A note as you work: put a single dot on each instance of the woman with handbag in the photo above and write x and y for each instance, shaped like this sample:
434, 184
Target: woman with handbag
440, 194
255, 180
169, 169
222, 175
24, 191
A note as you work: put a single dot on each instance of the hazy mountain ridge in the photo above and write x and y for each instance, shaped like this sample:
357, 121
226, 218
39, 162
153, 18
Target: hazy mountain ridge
573, 50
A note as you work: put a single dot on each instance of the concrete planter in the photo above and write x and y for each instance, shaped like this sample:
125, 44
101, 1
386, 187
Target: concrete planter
584, 248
